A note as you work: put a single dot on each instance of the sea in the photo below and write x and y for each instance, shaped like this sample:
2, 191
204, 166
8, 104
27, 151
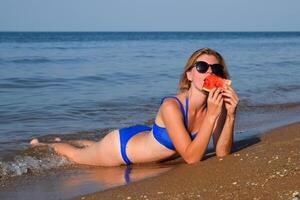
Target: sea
81, 85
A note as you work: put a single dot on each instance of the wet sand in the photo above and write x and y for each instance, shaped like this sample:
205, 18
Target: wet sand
264, 167
72, 181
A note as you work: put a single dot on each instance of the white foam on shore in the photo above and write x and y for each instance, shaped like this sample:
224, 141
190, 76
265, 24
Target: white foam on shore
28, 164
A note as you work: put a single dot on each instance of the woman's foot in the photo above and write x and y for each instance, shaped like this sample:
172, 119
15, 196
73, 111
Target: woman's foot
34, 142
57, 139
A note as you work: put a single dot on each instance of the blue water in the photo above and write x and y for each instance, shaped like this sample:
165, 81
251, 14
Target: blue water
76, 83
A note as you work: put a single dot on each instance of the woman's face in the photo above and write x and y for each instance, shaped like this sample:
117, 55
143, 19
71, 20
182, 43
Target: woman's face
197, 78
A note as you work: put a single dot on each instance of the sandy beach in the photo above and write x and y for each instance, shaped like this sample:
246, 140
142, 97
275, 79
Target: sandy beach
264, 167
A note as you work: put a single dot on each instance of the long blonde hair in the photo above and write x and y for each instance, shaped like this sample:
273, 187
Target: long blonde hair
184, 83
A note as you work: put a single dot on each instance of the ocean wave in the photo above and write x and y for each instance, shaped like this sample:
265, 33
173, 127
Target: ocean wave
279, 64
14, 83
29, 60
247, 105
42, 82
71, 47
36, 82
19, 86
281, 106
34, 160
144, 56
41, 60
93, 78
287, 88
39, 159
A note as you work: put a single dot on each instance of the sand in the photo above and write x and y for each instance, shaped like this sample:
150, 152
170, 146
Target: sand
264, 167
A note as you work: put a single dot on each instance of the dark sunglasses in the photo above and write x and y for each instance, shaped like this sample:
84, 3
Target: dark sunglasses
217, 69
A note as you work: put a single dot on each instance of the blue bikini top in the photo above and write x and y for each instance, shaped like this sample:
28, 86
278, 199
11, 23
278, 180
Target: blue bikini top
161, 134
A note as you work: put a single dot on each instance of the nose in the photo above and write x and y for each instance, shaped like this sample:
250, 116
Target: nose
209, 70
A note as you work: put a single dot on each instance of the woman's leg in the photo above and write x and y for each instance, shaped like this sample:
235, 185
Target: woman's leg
81, 143
106, 152
64, 149
84, 143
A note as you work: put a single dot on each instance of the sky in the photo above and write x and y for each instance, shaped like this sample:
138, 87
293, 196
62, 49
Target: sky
149, 15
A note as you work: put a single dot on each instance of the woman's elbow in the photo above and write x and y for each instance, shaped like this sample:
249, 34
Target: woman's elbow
222, 154
191, 160
223, 151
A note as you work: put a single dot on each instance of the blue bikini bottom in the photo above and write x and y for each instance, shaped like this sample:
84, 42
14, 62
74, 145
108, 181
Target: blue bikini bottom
126, 134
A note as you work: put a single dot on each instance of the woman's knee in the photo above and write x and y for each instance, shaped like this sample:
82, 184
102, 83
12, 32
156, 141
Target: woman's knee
64, 149
106, 152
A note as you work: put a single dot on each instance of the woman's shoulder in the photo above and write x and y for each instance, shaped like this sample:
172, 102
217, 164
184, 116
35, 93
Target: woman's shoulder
170, 108
172, 103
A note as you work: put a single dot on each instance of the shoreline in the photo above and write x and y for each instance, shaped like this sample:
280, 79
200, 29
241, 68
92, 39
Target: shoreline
262, 167
161, 180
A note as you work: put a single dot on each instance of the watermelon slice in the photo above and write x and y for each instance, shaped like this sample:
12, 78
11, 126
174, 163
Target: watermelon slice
212, 81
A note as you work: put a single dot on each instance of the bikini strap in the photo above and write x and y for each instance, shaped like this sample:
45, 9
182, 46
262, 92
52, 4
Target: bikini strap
184, 113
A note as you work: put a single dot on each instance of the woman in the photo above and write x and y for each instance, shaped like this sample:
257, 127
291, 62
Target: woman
183, 125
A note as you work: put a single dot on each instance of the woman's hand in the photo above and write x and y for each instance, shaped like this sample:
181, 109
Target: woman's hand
214, 102
231, 101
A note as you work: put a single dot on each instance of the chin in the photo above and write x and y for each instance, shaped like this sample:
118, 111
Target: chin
202, 91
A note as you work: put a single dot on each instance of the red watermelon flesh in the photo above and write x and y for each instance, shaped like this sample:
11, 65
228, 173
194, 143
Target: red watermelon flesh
212, 81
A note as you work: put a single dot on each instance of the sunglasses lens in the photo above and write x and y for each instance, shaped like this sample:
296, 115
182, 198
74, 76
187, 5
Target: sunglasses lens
218, 70
201, 66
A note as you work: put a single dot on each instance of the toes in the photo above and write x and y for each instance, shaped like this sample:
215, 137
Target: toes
34, 141
57, 139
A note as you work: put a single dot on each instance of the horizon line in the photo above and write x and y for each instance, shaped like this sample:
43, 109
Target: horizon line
2, 31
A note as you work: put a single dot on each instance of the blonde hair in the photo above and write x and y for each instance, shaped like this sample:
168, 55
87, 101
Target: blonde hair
184, 83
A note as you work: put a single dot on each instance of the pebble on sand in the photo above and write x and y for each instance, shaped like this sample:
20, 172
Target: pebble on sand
296, 194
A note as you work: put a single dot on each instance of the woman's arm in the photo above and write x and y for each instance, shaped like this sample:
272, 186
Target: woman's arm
191, 151
223, 140
197, 148
223, 133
